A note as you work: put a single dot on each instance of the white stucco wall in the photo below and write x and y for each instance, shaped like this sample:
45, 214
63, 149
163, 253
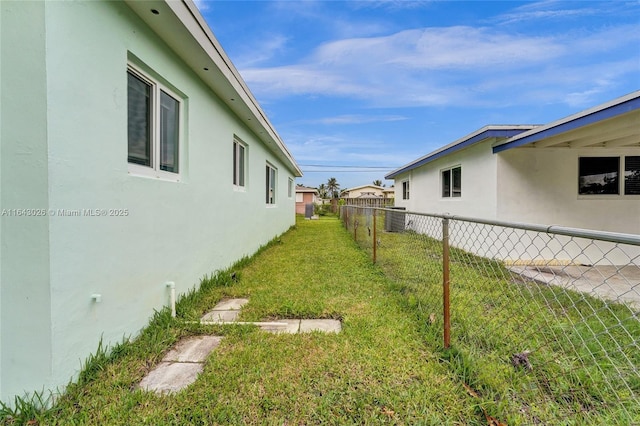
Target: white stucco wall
541, 186
478, 185
75, 157
537, 186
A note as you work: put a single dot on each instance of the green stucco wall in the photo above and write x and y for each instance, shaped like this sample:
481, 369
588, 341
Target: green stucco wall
74, 129
24, 266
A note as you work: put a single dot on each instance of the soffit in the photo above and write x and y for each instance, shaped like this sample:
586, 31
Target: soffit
182, 28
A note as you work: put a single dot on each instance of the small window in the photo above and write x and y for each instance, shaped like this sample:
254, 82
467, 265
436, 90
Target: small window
452, 182
270, 184
405, 190
239, 163
153, 125
632, 175
290, 188
599, 175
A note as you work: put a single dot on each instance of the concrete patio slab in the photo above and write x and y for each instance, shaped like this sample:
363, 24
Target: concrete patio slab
324, 325
193, 349
618, 284
170, 377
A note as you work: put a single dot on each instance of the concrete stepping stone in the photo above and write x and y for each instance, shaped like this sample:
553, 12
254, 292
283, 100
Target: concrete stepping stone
284, 326
225, 311
181, 365
193, 349
324, 325
170, 377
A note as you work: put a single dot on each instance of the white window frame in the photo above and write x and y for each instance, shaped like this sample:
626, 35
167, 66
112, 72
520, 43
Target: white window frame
290, 188
452, 192
622, 166
154, 169
240, 173
406, 190
271, 184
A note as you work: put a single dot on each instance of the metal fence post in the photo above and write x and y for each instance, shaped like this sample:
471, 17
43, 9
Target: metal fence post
374, 236
445, 282
355, 227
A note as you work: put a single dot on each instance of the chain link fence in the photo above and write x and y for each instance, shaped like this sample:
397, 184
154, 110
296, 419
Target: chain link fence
541, 325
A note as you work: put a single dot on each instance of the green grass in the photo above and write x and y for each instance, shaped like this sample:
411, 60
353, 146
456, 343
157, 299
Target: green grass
378, 370
584, 352
388, 365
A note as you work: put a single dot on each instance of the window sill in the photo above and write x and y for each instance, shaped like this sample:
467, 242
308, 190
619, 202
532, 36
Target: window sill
149, 173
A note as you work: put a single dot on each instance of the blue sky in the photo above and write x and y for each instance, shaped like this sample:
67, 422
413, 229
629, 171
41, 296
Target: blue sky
377, 84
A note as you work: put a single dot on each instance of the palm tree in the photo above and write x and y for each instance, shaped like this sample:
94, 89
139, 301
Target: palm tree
377, 182
333, 187
322, 190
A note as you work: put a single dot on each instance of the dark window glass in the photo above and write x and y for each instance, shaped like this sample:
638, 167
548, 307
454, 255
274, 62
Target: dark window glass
632, 175
169, 125
405, 190
139, 120
238, 164
235, 163
599, 175
446, 183
271, 185
457, 182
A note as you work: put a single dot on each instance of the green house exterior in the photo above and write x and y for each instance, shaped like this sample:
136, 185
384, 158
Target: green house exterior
132, 155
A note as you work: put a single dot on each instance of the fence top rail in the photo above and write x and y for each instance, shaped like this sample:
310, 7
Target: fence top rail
613, 237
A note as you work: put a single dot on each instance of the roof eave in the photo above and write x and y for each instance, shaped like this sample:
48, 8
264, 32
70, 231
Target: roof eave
486, 132
180, 25
614, 108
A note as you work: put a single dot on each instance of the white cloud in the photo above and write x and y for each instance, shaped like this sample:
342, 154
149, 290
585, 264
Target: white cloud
441, 66
356, 119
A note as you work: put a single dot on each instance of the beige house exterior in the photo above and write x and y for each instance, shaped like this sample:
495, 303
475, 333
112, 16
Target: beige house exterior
364, 191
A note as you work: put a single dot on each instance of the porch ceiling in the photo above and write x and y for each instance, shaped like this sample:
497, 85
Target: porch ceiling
622, 131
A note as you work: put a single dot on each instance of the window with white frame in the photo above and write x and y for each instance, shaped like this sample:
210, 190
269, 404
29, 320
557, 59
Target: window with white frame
239, 164
290, 188
452, 182
405, 190
603, 175
153, 126
271, 174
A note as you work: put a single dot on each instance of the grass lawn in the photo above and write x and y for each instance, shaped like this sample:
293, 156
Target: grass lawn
378, 370
387, 365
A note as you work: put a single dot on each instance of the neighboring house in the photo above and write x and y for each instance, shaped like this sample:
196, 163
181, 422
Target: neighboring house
582, 171
304, 196
133, 155
389, 193
364, 191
